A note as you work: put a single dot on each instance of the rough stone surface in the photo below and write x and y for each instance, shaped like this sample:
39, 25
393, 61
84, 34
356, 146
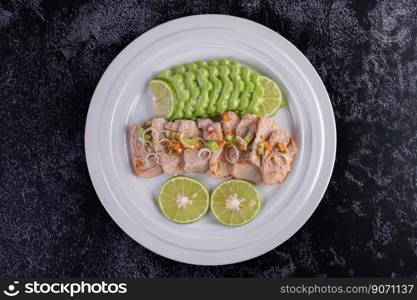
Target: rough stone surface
54, 52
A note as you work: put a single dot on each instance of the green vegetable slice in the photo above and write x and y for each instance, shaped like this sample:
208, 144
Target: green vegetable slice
217, 87
227, 89
257, 94
261, 148
190, 142
206, 86
238, 86
212, 145
249, 87
249, 137
142, 135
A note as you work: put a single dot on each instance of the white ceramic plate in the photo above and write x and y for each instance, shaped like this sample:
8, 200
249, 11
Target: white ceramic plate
122, 98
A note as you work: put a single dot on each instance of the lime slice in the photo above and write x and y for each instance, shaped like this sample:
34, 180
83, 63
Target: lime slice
272, 99
235, 202
183, 199
163, 98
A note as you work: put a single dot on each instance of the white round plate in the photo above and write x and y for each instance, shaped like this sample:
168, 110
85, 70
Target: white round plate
122, 98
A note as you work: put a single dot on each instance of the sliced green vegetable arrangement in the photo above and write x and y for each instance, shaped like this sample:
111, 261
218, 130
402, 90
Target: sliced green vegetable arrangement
184, 199
209, 88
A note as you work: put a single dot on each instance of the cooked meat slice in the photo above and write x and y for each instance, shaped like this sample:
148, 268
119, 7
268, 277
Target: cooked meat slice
172, 125
275, 168
174, 165
204, 123
278, 136
230, 122
213, 132
172, 162
189, 128
219, 167
292, 148
277, 164
266, 159
193, 164
265, 127
157, 124
246, 125
144, 164
231, 153
242, 144
245, 169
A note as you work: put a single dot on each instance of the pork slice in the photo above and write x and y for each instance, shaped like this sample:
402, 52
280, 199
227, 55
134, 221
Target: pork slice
276, 170
230, 122
194, 164
159, 125
219, 167
138, 155
265, 127
189, 128
276, 164
213, 132
292, 148
245, 169
279, 136
204, 123
172, 125
246, 125
174, 165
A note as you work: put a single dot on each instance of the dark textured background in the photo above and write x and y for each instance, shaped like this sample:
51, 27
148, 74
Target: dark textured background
54, 52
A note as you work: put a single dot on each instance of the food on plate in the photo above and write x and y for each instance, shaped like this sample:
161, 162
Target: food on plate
209, 88
212, 117
144, 159
251, 148
272, 99
163, 99
183, 199
235, 202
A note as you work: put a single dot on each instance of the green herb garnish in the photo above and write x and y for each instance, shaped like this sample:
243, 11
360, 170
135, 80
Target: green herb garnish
142, 135
212, 145
249, 137
261, 148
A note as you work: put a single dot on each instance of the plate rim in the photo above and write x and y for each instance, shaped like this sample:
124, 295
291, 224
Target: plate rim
328, 122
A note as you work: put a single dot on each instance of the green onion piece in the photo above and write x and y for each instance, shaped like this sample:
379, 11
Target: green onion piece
261, 148
189, 142
143, 136
231, 139
249, 137
212, 145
